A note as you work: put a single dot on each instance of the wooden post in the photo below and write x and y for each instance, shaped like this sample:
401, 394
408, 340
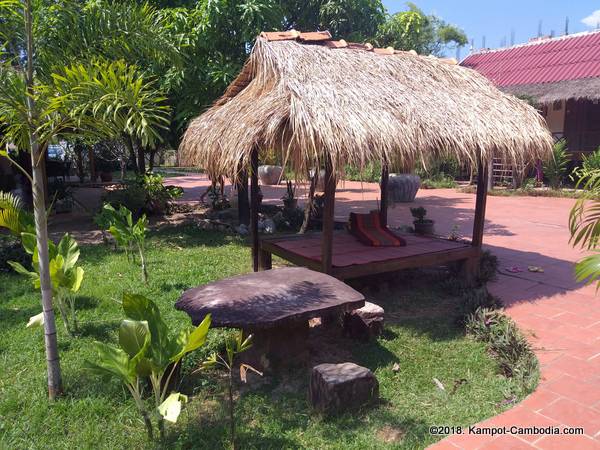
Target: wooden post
482, 185
242, 195
383, 207
328, 217
254, 207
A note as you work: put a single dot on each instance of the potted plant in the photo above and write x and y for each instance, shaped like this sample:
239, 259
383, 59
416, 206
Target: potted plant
289, 199
422, 225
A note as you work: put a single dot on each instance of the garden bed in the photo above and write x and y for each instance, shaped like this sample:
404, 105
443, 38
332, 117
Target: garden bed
422, 340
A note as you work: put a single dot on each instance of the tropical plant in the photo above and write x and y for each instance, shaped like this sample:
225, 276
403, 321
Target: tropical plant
158, 196
13, 215
126, 232
592, 161
148, 349
418, 213
234, 345
65, 275
555, 167
584, 225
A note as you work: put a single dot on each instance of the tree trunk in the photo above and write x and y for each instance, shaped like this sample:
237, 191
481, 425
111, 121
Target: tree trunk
151, 161
128, 141
309, 202
41, 227
243, 203
92, 159
141, 160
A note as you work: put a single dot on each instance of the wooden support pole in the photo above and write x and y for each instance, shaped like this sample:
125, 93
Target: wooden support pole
242, 195
383, 207
254, 208
328, 217
482, 185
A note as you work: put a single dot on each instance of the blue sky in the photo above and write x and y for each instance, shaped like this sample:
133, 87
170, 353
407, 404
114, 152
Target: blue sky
495, 19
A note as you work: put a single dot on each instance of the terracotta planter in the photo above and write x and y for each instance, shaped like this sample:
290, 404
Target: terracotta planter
402, 188
270, 175
424, 227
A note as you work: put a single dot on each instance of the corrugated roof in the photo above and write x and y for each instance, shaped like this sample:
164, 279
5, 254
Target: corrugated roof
545, 61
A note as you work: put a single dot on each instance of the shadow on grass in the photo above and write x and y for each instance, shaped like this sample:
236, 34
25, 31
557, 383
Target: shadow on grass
100, 331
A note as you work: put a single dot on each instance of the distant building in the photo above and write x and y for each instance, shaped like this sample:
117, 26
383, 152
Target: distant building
561, 75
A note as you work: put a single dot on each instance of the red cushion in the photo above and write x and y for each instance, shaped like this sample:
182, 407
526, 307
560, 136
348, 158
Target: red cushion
367, 229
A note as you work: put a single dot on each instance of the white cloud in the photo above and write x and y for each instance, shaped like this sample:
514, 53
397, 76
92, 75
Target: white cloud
592, 20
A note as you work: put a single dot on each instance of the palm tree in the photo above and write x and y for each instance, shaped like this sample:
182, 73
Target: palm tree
99, 98
584, 224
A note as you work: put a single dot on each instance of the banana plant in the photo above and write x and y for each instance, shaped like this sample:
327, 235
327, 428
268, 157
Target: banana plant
157, 361
65, 275
126, 232
234, 345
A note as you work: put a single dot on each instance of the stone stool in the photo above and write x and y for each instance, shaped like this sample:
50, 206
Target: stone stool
335, 388
365, 322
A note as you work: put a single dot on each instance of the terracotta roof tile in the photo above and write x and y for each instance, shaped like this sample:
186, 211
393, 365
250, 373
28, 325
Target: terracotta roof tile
280, 35
336, 44
315, 36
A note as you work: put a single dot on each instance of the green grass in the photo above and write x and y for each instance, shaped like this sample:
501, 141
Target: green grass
421, 335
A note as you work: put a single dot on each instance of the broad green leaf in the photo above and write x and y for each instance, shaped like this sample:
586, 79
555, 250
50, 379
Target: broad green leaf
111, 361
78, 278
69, 250
36, 321
22, 270
29, 242
195, 339
171, 407
133, 336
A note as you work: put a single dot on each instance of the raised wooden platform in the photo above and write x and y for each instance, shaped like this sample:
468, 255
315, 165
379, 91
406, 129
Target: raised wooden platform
352, 259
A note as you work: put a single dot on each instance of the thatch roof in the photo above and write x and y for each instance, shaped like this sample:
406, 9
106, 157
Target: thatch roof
581, 89
306, 96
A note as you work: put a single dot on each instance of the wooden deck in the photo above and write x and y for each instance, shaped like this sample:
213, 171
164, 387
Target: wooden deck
351, 258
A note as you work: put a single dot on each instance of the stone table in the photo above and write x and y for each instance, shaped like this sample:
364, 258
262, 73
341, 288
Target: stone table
275, 306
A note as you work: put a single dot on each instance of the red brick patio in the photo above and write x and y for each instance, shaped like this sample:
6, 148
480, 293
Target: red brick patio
561, 318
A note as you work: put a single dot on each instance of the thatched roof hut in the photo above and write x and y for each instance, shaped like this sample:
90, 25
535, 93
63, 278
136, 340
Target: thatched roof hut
307, 97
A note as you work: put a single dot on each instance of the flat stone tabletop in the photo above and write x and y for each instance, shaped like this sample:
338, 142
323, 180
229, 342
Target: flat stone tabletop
269, 299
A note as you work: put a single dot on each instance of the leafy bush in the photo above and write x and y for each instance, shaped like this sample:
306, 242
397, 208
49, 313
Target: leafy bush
508, 345
440, 181
13, 215
370, 173
126, 233
148, 349
556, 167
131, 196
289, 219
146, 193
439, 168
66, 277
473, 299
591, 161
488, 267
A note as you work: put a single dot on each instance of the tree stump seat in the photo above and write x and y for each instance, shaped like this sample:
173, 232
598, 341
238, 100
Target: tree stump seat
336, 388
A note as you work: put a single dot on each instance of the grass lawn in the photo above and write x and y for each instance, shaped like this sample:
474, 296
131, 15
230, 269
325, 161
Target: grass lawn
421, 336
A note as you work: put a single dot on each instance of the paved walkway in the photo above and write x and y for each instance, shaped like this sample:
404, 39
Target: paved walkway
561, 318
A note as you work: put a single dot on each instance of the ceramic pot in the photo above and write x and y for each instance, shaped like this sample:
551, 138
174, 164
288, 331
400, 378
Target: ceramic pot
424, 227
270, 175
402, 188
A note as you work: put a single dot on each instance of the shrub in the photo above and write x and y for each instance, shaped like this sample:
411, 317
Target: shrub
507, 344
555, 168
473, 299
289, 219
591, 161
131, 196
488, 267
370, 173
440, 181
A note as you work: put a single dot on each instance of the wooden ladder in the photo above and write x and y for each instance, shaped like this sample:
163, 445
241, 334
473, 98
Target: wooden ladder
502, 174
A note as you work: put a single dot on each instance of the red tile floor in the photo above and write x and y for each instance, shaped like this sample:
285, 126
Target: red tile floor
561, 317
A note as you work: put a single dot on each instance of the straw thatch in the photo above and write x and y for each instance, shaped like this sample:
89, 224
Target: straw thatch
581, 89
313, 99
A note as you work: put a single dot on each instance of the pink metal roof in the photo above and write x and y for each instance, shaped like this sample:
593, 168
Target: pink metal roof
548, 61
